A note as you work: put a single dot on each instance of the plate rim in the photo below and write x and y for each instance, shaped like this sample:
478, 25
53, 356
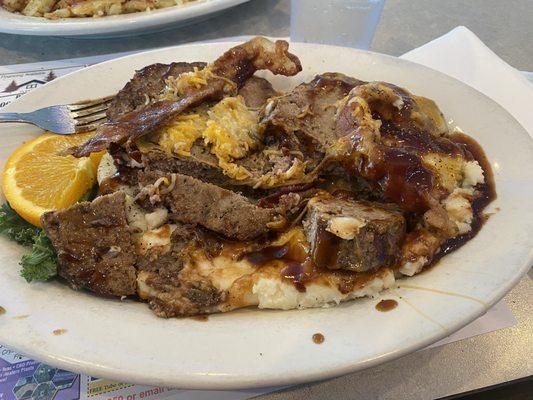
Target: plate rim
203, 382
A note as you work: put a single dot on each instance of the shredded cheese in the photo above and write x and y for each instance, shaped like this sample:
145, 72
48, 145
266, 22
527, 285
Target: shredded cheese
229, 128
296, 170
177, 86
181, 134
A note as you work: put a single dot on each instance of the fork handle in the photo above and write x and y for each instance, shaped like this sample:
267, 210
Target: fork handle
13, 117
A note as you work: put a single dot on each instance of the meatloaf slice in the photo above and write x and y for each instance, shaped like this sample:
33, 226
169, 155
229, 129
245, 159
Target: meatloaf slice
148, 82
307, 113
93, 245
146, 85
201, 165
184, 238
192, 201
256, 91
353, 235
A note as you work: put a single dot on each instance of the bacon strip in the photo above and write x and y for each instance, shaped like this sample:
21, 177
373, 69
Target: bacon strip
240, 63
236, 65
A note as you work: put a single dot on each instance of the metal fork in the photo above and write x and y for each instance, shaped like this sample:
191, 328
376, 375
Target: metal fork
65, 119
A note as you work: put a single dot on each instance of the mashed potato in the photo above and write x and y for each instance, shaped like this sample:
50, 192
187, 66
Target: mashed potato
244, 285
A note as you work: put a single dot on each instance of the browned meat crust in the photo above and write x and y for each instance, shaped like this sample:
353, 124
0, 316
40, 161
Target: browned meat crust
148, 83
94, 246
239, 63
357, 236
169, 263
203, 165
185, 298
346, 139
145, 86
173, 292
146, 120
192, 201
234, 66
393, 146
200, 165
384, 134
256, 91
305, 117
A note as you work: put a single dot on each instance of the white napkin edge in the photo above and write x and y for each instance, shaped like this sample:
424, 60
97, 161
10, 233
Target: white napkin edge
463, 56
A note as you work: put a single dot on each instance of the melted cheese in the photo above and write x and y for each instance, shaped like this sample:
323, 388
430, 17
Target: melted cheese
156, 238
295, 171
243, 284
106, 168
178, 86
232, 129
229, 128
156, 218
135, 215
181, 134
449, 170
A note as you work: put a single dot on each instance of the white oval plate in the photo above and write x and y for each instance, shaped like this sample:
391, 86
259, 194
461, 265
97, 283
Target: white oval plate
115, 25
123, 340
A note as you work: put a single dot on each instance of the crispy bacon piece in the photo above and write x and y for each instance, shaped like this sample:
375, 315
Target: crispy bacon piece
236, 65
240, 63
145, 120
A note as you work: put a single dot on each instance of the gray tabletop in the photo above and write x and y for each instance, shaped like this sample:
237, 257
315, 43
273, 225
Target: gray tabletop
505, 26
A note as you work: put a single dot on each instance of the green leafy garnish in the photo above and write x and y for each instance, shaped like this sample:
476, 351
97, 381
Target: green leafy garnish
90, 194
15, 227
41, 263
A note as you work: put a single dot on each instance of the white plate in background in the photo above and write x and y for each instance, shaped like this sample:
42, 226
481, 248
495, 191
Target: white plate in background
123, 340
114, 25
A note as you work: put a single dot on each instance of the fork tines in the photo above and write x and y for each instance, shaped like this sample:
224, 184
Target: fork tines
88, 115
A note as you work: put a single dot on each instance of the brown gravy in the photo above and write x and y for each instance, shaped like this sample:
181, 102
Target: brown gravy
386, 305
24, 316
318, 338
326, 250
265, 255
299, 267
295, 270
487, 190
201, 318
299, 273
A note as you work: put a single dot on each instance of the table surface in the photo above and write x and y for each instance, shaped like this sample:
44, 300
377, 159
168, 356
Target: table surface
505, 26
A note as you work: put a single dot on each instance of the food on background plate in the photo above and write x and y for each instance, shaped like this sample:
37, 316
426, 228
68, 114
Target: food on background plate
218, 192
55, 9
